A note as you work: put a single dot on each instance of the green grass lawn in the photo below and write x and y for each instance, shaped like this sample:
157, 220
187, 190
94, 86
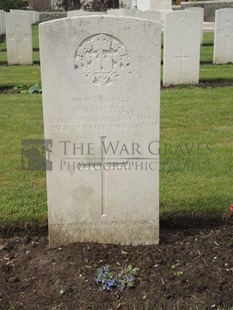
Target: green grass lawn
22, 193
199, 180
35, 36
216, 72
192, 182
208, 38
196, 145
11, 76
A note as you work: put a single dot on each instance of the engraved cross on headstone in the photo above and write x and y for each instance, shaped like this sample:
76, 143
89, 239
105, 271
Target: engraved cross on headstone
102, 61
227, 33
181, 57
104, 160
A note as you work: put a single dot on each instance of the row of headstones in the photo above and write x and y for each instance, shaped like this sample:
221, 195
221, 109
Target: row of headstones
33, 15
155, 13
159, 6
183, 32
182, 36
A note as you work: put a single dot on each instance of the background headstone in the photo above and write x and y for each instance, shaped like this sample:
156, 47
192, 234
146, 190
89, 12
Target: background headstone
2, 22
18, 38
181, 62
122, 12
82, 13
163, 6
133, 4
223, 36
102, 87
34, 15
201, 12
151, 15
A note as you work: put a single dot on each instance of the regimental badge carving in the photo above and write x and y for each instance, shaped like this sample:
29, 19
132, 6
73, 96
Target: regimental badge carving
228, 29
101, 61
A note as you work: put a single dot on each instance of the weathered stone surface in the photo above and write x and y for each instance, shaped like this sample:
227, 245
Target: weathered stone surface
101, 98
163, 6
223, 36
34, 15
83, 13
18, 38
122, 12
151, 15
201, 19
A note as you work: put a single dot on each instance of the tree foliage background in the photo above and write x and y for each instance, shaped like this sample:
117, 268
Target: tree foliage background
6, 5
40, 5
89, 5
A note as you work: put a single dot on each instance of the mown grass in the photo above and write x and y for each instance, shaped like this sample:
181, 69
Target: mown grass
11, 76
196, 181
22, 193
208, 38
196, 147
192, 182
216, 72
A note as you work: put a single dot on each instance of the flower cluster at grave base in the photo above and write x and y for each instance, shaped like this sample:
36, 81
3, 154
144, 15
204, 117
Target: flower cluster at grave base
121, 280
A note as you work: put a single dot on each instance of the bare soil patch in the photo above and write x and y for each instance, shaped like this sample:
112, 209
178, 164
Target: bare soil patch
190, 268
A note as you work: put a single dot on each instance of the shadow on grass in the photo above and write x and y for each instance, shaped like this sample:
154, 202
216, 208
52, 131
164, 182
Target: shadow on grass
4, 63
203, 83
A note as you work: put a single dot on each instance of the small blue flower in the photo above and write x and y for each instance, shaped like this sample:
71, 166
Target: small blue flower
111, 282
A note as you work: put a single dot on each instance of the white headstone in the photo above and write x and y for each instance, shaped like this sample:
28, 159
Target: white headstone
35, 17
154, 5
181, 60
24, 12
164, 6
122, 12
18, 38
223, 36
145, 5
151, 15
101, 98
201, 12
126, 4
82, 13
2, 22
133, 4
